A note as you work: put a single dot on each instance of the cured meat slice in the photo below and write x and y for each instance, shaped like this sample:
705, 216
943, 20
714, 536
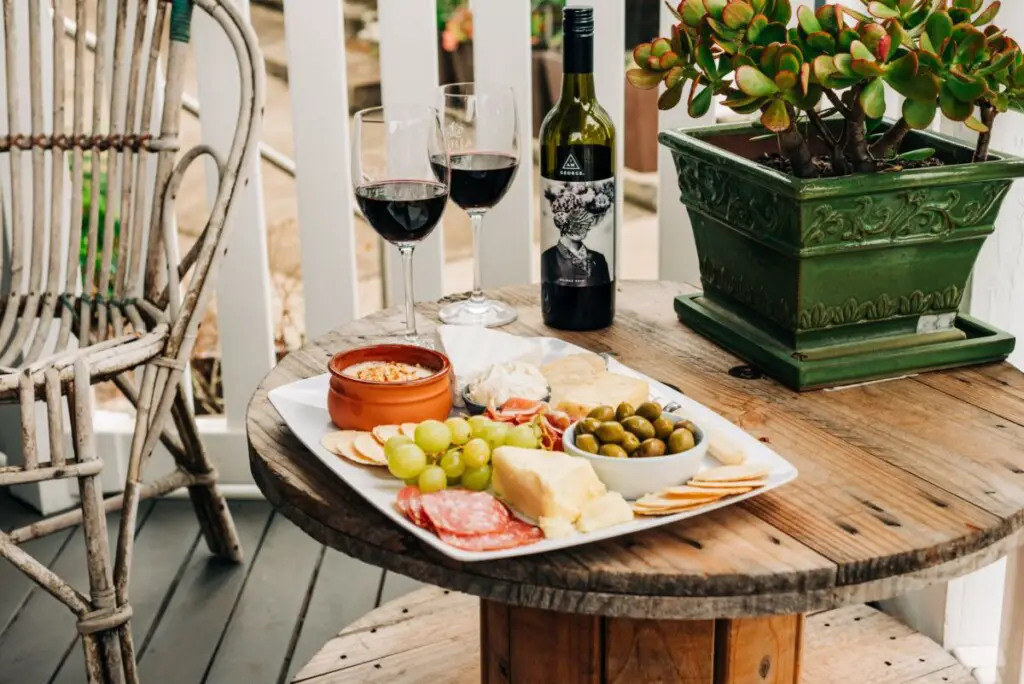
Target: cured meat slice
410, 503
460, 511
516, 533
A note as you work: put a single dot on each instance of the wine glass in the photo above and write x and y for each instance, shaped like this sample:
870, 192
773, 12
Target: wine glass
400, 171
482, 133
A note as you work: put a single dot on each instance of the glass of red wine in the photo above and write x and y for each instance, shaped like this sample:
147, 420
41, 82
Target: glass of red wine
482, 133
401, 177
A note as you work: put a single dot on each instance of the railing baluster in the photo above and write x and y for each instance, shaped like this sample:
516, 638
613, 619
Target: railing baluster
502, 54
319, 94
408, 71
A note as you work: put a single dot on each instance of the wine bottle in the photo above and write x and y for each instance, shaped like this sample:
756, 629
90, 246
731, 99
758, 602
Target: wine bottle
578, 186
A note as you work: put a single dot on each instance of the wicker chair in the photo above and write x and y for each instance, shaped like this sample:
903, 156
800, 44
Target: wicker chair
66, 324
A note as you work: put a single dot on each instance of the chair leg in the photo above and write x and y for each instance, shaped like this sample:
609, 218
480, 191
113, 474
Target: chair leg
100, 626
211, 508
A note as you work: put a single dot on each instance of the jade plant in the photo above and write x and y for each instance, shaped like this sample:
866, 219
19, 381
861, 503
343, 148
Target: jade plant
823, 80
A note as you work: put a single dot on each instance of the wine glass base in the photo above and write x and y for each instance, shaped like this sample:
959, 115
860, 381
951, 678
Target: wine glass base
488, 313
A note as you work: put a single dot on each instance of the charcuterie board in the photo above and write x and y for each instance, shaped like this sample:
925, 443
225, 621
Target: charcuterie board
303, 407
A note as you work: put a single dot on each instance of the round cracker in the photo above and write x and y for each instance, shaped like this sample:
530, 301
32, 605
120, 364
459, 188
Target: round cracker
408, 429
734, 473
697, 491
385, 432
341, 443
370, 449
658, 502
726, 486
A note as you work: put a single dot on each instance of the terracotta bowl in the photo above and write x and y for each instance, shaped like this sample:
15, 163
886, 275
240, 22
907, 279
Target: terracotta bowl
362, 405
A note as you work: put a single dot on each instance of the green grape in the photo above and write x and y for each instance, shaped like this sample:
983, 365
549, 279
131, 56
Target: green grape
477, 479
407, 461
392, 444
452, 465
522, 436
495, 434
460, 429
476, 453
433, 436
477, 425
432, 479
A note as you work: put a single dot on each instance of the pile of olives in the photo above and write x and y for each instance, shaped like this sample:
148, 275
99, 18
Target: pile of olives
625, 432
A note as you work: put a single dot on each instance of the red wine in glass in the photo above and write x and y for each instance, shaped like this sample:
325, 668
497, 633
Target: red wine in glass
402, 211
478, 179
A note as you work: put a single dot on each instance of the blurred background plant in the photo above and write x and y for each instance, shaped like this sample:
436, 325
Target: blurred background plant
91, 273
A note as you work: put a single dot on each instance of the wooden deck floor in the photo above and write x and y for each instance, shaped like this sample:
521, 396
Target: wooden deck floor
197, 619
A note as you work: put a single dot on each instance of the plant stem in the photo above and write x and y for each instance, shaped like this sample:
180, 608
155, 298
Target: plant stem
856, 137
794, 147
891, 141
836, 102
988, 117
839, 165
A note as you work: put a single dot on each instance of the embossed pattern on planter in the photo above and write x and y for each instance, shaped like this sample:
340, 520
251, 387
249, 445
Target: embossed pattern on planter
883, 307
744, 290
743, 205
912, 213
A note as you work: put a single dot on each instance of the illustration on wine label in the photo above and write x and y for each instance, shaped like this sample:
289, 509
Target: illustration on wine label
578, 232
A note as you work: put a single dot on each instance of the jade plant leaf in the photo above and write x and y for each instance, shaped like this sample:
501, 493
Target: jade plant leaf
660, 46
783, 12
776, 116
872, 98
756, 27
975, 125
706, 60
988, 15
715, 7
952, 107
821, 43
867, 68
693, 11
671, 97
644, 80
880, 10
774, 32
737, 14
965, 87
786, 80
904, 68
752, 82
924, 86
808, 22
860, 51
921, 154
939, 28
919, 114
641, 53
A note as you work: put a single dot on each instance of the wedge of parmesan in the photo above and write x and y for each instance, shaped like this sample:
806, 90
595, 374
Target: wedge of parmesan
604, 511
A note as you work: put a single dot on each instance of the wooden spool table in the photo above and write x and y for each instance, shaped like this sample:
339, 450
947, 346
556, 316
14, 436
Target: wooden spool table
902, 484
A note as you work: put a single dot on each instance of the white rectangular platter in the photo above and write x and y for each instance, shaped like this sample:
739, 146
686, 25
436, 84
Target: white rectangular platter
303, 406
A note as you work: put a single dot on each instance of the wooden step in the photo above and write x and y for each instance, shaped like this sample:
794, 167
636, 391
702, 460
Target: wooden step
433, 636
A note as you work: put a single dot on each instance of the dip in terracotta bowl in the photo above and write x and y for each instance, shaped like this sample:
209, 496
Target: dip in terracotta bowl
388, 384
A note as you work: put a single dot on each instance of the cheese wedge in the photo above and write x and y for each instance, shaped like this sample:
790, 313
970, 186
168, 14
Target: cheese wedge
604, 511
549, 486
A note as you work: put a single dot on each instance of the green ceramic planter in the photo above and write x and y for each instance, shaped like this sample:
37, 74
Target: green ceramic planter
866, 272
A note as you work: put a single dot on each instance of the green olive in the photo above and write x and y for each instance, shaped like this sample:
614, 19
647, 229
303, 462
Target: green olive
680, 440
587, 426
613, 451
651, 447
688, 425
602, 413
651, 410
609, 432
663, 427
630, 443
624, 411
639, 426
587, 443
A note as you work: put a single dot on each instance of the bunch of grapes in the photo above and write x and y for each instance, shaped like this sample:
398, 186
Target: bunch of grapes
455, 452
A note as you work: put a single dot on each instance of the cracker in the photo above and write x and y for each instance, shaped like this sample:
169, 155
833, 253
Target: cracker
408, 429
658, 502
697, 491
341, 443
370, 449
734, 473
680, 506
385, 432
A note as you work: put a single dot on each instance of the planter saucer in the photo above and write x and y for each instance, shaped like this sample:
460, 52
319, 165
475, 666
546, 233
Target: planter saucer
982, 344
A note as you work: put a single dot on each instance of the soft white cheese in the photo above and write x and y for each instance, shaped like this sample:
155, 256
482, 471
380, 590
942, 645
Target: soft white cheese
503, 381
544, 485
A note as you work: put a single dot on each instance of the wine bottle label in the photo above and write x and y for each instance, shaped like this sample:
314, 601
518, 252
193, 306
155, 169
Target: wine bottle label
577, 218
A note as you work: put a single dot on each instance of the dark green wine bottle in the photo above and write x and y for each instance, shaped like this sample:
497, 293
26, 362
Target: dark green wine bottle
578, 186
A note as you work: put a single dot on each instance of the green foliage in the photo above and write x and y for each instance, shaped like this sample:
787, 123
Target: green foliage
941, 55
91, 275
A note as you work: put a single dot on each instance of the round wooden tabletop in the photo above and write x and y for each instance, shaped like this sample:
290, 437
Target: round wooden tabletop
902, 484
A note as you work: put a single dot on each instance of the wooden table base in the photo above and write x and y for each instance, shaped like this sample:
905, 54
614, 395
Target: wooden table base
527, 645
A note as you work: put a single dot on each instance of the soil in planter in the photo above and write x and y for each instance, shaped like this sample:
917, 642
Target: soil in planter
823, 163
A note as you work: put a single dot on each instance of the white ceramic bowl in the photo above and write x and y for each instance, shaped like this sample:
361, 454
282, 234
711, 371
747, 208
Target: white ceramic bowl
634, 477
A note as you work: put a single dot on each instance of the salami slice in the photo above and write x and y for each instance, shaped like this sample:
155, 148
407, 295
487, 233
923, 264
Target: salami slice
516, 533
410, 503
460, 511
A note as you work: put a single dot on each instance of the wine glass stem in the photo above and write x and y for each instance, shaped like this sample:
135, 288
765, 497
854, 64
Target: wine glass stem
477, 219
410, 302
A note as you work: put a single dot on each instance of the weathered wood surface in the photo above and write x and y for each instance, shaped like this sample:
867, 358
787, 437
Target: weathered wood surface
902, 484
434, 636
